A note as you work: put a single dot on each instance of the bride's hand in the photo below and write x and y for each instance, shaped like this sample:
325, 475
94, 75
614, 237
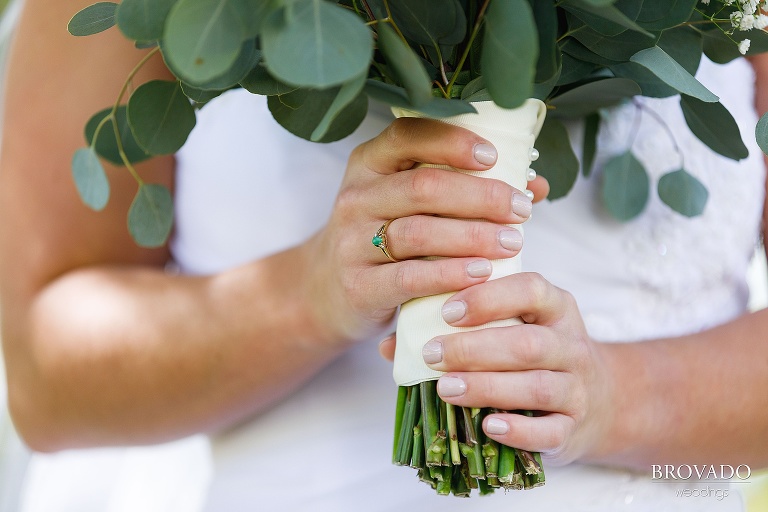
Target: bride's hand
548, 364
350, 285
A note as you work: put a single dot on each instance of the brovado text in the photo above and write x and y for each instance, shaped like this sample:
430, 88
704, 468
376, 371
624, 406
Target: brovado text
699, 471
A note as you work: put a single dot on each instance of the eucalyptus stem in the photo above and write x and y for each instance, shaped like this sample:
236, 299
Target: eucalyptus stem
468, 48
453, 437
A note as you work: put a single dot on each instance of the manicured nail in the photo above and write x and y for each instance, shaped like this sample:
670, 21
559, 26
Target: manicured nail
451, 386
485, 154
496, 426
480, 268
521, 205
453, 311
511, 239
432, 352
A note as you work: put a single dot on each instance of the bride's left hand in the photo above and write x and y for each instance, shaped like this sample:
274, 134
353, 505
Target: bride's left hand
548, 364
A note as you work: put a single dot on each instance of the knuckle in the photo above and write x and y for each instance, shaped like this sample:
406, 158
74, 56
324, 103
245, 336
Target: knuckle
476, 235
556, 436
348, 201
497, 193
425, 184
543, 390
411, 232
536, 289
530, 350
459, 354
406, 278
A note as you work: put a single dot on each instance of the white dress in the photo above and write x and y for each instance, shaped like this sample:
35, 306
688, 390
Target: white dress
247, 189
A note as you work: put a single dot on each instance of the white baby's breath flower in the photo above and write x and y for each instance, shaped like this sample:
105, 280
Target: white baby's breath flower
761, 22
744, 46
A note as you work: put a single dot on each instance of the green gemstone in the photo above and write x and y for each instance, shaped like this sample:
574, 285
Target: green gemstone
377, 241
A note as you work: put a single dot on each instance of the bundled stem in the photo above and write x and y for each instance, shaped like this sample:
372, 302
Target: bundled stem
450, 450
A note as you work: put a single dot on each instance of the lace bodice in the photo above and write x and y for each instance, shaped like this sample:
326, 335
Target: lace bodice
661, 274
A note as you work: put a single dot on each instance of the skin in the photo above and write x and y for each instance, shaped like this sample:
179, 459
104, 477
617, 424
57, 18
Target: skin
695, 399
103, 346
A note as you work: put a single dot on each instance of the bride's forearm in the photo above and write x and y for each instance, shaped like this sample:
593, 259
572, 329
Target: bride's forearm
696, 399
131, 355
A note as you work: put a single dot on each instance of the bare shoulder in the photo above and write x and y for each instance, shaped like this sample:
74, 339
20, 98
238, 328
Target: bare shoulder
55, 83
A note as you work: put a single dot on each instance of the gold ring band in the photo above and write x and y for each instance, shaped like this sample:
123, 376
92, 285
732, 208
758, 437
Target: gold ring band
380, 240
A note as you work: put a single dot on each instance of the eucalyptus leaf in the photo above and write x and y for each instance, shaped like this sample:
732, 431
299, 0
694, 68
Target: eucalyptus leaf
556, 161
685, 45
721, 49
93, 19
761, 133
549, 61
143, 20
405, 65
589, 144
683, 193
90, 178
625, 186
422, 23
199, 96
246, 60
617, 48
303, 110
259, 81
573, 69
510, 52
150, 217
203, 38
714, 126
348, 93
160, 117
650, 85
106, 143
397, 97
663, 14
592, 96
609, 20
318, 44
658, 62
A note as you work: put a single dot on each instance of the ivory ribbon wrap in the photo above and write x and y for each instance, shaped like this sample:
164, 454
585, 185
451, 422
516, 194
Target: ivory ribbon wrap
512, 132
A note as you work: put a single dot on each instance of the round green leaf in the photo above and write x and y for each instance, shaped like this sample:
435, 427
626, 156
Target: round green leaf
405, 65
556, 160
421, 22
316, 44
510, 52
761, 133
397, 97
303, 110
143, 20
259, 81
160, 116
203, 38
93, 19
106, 145
714, 126
246, 59
90, 178
199, 96
683, 193
625, 186
150, 217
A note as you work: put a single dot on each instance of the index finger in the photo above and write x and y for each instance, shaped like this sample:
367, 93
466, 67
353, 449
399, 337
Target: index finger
410, 141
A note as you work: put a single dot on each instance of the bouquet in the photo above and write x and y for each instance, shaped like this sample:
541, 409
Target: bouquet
319, 62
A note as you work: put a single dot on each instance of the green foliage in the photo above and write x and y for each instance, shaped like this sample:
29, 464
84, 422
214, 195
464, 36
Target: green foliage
318, 62
150, 217
93, 19
625, 186
90, 178
161, 117
683, 193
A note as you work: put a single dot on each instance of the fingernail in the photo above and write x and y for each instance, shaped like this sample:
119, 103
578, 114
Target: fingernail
511, 239
521, 205
432, 352
485, 154
480, 268
496, 426
451, 386
453, 311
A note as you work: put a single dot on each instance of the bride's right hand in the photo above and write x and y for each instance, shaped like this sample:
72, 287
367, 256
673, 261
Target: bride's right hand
351, 287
